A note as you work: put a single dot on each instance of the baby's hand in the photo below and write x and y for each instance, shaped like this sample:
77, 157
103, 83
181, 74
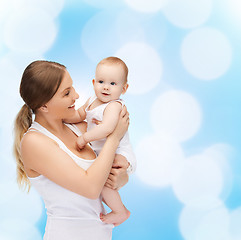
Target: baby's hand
95, 121
81, 142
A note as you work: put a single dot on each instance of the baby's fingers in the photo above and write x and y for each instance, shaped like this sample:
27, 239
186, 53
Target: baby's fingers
97, 122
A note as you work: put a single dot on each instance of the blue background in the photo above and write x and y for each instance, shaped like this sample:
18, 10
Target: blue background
184, 103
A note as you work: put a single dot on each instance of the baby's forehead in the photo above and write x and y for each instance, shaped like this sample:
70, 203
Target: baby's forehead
112, 70
109, 67
109, 64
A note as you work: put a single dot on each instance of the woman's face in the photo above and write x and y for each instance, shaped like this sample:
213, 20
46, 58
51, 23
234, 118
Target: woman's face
62, 104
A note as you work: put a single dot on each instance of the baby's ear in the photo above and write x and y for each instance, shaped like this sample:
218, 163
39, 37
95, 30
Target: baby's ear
93, 81
125, 87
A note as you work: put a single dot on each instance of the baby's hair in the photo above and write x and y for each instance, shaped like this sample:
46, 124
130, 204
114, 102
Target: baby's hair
115, 60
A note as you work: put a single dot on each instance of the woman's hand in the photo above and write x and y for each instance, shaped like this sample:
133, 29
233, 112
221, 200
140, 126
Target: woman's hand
122, 124
118, 176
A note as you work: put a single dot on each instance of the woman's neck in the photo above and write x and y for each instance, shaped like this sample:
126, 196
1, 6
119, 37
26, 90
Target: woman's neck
56, 126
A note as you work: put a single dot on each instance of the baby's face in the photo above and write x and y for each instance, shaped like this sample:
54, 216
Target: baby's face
109, 82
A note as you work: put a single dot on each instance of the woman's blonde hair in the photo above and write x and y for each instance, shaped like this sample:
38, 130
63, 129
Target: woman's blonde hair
39, 83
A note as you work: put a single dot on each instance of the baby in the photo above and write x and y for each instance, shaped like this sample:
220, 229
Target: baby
109, 83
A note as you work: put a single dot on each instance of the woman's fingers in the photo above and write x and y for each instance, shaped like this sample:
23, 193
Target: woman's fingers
108, 185
124, 115
109, 181
123, 111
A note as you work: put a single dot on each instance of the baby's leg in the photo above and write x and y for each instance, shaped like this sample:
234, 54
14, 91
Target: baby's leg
119, 212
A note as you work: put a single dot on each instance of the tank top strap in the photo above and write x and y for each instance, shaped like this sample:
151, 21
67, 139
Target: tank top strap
37, 127
74, 129
91, 100
117, 100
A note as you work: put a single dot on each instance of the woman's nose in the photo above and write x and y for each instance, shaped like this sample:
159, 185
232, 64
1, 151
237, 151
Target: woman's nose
76, 96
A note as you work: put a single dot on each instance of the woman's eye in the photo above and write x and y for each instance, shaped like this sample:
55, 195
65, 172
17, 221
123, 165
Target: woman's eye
67, 93
113, 83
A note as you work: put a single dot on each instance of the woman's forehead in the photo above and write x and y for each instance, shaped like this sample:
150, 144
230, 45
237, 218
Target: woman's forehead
66, 82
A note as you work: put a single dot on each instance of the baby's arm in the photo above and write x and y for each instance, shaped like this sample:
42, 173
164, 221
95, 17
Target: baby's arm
107, 126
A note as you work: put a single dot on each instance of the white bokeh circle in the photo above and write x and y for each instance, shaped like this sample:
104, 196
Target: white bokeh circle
235, 224
220, 153
84, 95
5, 8
145, 66
98, 37
186, 13
104, 3
204, 223
10, 190
9, 71
19, 203
147, 6
214, 225
158, 158
8, 168
10, 76
19, 61
176, 113
18, 229
30, 30
235, 7
12, 66
132, 26
199, 182
206, 53
53, 7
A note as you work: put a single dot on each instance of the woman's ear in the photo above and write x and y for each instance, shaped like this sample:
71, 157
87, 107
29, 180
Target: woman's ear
44, 108
125, 87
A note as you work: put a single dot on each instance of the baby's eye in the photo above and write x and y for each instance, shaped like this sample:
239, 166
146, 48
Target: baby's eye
113, 83
100, 81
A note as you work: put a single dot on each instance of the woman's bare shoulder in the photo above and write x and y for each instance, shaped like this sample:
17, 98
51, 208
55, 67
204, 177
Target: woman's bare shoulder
37, 151
34, 138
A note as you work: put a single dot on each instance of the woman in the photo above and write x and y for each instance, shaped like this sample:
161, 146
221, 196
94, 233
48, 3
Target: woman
69, 180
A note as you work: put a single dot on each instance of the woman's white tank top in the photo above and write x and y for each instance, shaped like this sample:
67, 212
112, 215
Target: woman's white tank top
69, 215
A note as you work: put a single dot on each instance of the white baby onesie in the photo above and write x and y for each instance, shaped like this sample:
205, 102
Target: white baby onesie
124, 148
